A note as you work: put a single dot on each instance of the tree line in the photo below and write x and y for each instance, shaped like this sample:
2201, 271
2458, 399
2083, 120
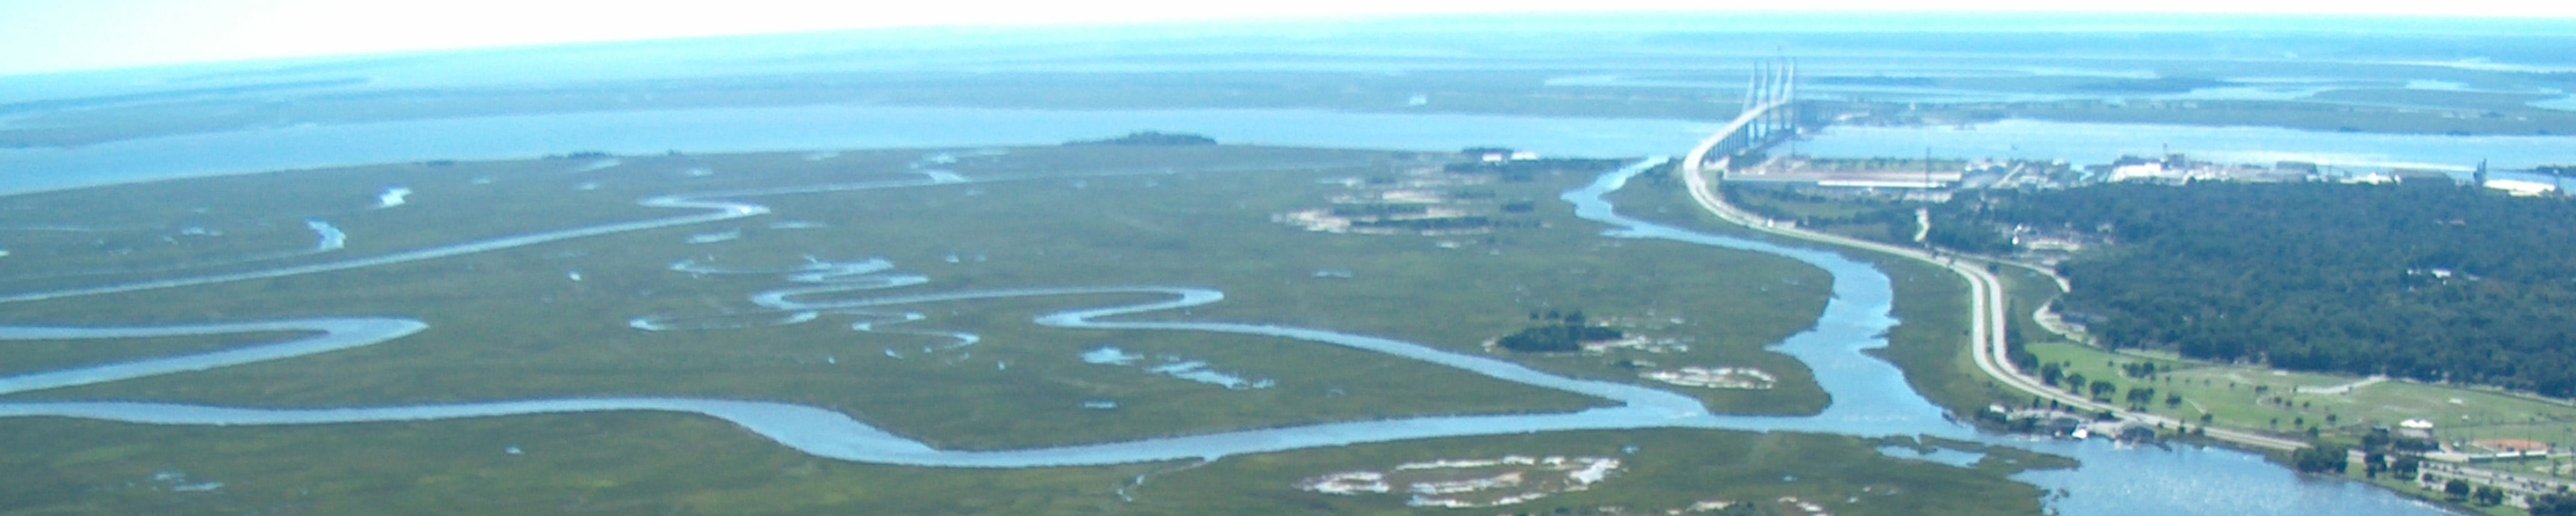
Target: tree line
2435, 282
1560, 332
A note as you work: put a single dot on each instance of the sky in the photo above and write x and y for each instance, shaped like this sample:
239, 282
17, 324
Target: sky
40, 36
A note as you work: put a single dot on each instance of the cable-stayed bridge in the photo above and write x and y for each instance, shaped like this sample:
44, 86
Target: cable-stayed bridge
1770, 115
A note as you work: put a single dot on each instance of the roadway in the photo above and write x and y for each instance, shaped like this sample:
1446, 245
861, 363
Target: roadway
1987, 313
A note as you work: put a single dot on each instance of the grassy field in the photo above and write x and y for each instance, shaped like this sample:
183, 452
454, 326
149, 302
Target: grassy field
516, 324
656, 464
2259, 398
497, 316
2248, 397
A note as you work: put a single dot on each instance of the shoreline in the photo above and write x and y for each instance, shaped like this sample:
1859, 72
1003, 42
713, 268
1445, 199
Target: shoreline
1987, 316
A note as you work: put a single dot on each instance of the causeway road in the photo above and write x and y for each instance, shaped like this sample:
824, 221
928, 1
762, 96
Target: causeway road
1987, 312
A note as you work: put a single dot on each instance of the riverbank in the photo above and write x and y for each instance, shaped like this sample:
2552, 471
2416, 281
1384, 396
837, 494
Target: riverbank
1988, 310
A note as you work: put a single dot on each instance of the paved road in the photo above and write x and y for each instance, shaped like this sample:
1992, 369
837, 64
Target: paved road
1987, 313
2515, 483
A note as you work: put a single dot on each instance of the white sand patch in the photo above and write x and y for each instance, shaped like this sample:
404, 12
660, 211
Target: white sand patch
1197, 371
1811, 508
720, 236
1637, 343
1714, 378
1346, 483
1109, 355
1469, 483
392, 197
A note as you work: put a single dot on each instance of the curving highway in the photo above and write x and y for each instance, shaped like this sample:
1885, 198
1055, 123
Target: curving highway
1987, 312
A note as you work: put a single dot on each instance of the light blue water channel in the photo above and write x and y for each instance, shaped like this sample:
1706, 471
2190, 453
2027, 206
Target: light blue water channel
1870, 397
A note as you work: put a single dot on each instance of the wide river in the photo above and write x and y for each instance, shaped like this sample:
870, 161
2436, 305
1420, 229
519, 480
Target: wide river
1871, 397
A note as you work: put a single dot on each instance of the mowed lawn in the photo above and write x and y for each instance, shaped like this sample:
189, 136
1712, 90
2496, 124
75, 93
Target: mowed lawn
2259, 398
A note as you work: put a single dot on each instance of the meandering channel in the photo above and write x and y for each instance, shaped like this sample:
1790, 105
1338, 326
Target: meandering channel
1854, 317
1869, 397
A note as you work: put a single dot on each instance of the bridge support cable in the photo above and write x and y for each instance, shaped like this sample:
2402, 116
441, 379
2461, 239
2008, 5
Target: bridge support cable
1770, 114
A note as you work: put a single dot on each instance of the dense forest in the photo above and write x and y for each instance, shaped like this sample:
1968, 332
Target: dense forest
2426, 280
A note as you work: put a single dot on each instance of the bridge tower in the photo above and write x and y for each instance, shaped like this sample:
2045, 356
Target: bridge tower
1770, 96
1770, 114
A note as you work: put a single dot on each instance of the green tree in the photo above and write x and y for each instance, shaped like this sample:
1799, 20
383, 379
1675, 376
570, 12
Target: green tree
2140, 397
2553, 504
2322, 458
2377, 439
2489, 496
2345, 278
2458, 489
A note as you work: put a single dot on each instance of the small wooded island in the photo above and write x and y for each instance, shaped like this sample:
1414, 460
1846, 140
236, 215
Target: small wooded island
1561, 332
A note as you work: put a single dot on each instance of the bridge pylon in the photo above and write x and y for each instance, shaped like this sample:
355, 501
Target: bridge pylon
1770, 114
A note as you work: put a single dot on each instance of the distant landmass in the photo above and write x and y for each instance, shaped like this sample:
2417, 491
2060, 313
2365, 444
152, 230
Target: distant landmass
1150, 138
